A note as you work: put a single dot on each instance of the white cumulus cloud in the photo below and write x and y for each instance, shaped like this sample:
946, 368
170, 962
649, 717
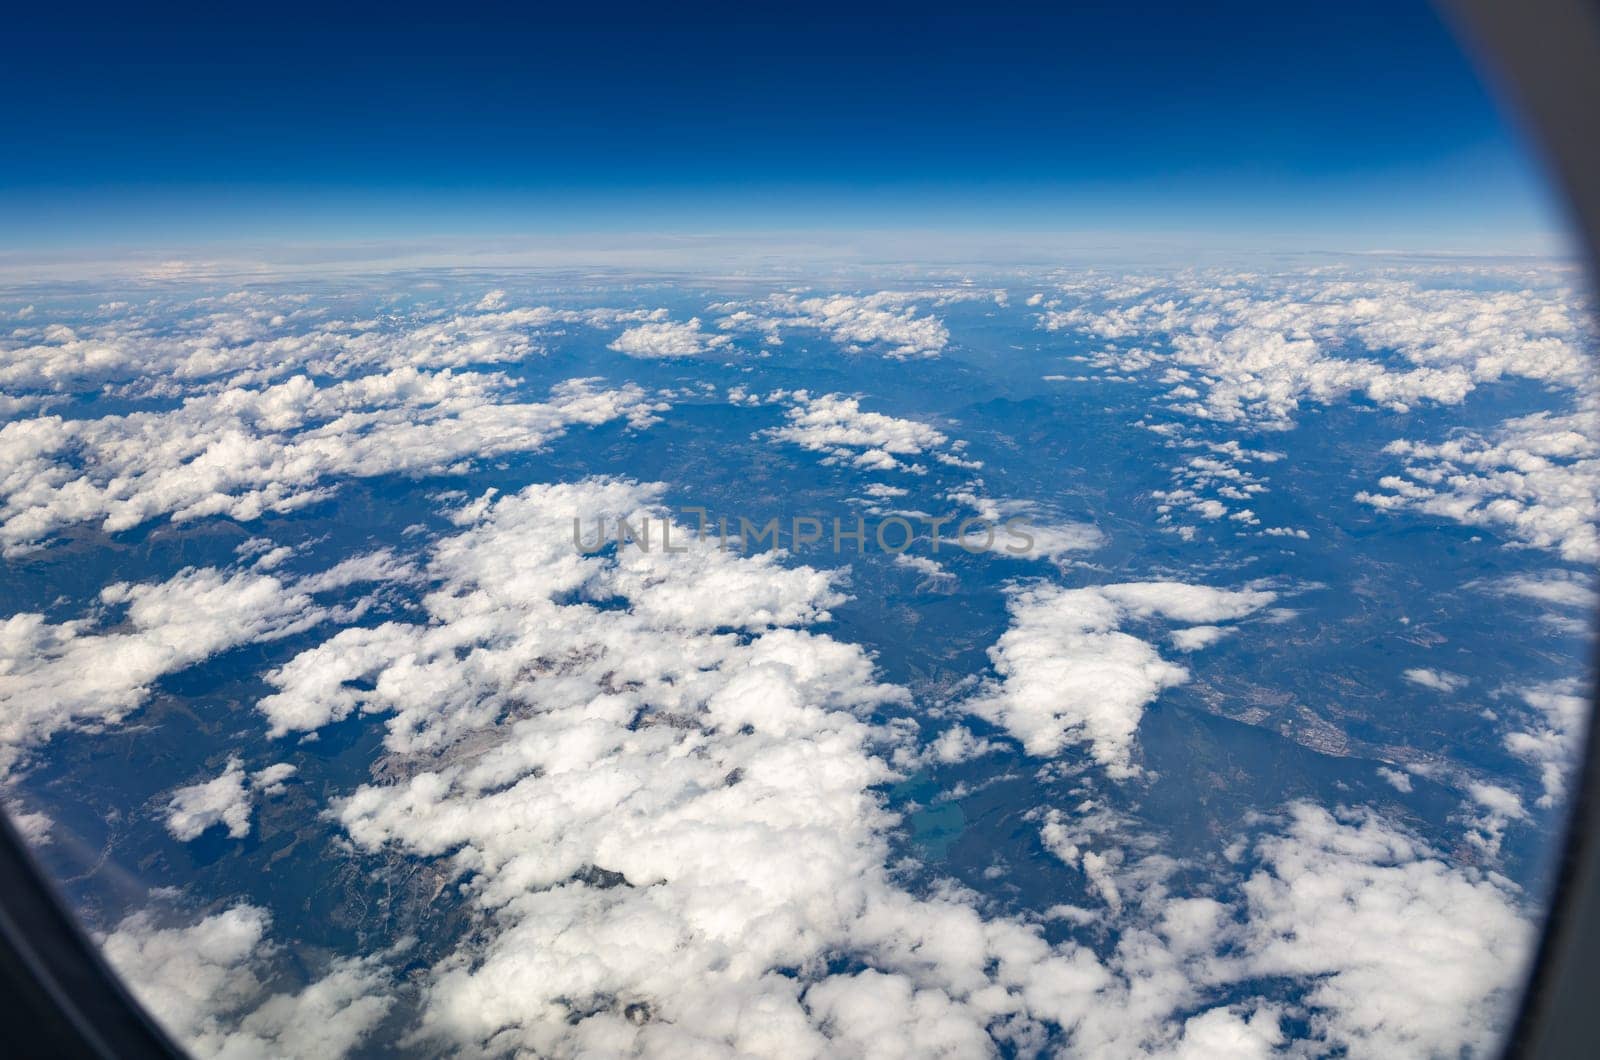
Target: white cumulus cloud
668, 339
1069, 674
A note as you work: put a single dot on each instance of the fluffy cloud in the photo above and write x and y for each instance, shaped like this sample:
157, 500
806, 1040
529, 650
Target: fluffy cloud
1080, 840
666, 339
658, 791
957, 744
527, 550
1537, 480
1068, 674
1251, 348
886, 322
1552, 735
1559, 588
1214, 484
250, 402
241, 452
227, 799
1398, 780
1052, 541
1196, 637
837, 426
75, 674
1406, 955
1385, 948
1048, 537
204, 983
664, 814
89, 672
659, 815
1438, 680
1223, 1032
658, 788
171, 348
1492, 809
34, 827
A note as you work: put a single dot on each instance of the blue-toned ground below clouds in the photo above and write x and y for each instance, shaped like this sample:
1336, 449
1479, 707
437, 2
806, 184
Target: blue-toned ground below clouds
341, 747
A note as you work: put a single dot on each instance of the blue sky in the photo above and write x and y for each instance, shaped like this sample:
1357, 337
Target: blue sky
1338, 126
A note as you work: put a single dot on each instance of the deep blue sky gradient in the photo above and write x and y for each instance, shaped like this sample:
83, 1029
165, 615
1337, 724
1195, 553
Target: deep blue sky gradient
1355, 123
